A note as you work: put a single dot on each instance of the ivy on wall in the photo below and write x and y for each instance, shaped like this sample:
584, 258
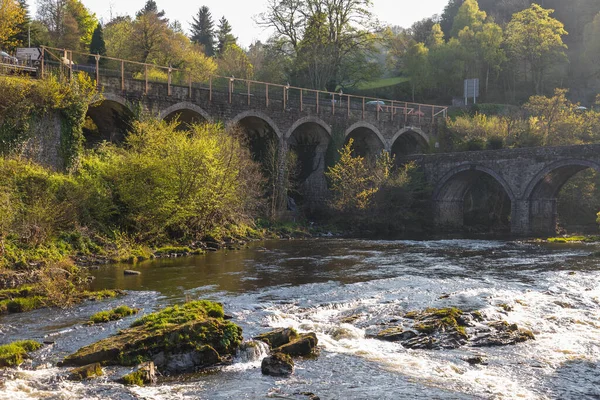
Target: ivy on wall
25, 102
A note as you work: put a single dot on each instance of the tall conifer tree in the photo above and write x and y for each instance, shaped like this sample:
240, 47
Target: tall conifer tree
203, 31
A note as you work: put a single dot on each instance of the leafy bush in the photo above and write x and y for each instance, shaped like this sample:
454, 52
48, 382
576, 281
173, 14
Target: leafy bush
378, 196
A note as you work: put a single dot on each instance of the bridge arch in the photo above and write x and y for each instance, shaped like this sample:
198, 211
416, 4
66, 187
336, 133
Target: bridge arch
450, 192
258, 115
187, 113
368, 140
543, 191
308, 139
308, 120
108, 120
409, 140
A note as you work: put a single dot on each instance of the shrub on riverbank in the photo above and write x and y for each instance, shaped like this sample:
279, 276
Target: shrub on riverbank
379, 197
163, 187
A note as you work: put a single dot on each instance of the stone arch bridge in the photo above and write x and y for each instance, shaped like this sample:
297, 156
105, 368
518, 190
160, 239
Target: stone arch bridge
302, 119
310, 120
531, 178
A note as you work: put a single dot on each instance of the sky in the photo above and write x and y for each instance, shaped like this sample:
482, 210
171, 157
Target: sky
240, 13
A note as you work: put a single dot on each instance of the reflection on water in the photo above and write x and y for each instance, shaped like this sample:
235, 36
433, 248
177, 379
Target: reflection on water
342, 289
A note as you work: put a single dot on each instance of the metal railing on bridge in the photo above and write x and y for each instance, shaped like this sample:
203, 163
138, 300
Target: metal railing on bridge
61, 62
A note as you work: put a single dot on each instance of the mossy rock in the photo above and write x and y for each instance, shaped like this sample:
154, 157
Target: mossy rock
277, 364
144, 374
113, 315
278, 337
86, 372
395, 334
173, 331
13, 354
304, 345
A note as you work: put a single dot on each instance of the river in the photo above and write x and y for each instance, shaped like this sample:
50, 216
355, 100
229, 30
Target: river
315, 285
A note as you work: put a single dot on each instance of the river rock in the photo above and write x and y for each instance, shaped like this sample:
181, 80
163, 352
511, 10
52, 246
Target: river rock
278, 337
144, 374
178, 339
500, 333
395, 334
85, 372
277, 364
304, 345
177, 363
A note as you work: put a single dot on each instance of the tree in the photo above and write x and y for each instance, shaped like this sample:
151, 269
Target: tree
117, 36
150, 31
420, 30
234, 62
11, 17
24, 30
447, 19
535, 38
224, 36
203, 31
436, 36
417, 67
270, 64
591, 50
86, 22
310, 28
97, 45
469, 15
69, 23
151, 8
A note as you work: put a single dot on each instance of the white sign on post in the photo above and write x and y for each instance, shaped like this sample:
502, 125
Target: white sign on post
29, 53
471, 90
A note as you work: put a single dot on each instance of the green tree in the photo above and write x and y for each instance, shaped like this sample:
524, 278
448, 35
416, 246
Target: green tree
117, 37
591, 49
535, 38
69, 23
149, 33
12, 17
203, 31
86, 22
224, 36
305, 30
25, 29
350, 181
234, 62
448, 15
417, 67
97, 45
469, 15
436, 36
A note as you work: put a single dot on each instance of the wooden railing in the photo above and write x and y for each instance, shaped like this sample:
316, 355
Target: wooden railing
63, 61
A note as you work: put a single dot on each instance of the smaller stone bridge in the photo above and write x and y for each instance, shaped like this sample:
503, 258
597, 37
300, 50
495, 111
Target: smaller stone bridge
531, 178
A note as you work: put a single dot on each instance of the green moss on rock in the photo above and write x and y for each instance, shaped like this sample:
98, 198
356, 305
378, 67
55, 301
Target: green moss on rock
86, 372
113, 315
178, 330
14, 353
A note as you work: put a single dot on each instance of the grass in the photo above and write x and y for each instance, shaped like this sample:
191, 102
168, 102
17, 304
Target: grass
574, 239
381, 83
29, 298
180, 314
14, 353
113, 315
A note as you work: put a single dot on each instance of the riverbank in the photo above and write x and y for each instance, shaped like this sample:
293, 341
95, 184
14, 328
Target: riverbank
347, 291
